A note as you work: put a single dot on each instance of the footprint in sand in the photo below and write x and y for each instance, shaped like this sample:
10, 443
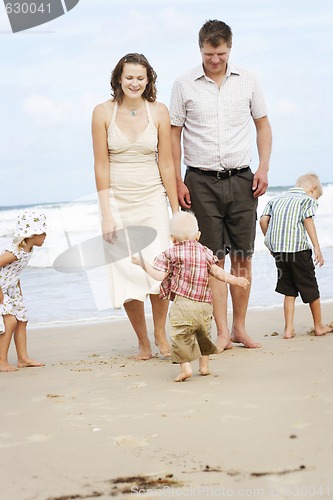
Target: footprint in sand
131, 441
137, 385
301, 425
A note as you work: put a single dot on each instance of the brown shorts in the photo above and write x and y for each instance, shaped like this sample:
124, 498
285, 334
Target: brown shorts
226, 211
296, 275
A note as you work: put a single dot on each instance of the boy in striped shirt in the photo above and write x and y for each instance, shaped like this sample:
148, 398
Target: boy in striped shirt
286, 222
184, 270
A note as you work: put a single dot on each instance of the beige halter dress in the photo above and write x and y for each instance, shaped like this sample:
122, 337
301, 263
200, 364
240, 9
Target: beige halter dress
137, 198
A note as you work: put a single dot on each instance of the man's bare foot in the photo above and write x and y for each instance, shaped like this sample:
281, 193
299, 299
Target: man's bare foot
185, 372
5, 367
322, 330
223, 343
288, 334
241, 337
27, 363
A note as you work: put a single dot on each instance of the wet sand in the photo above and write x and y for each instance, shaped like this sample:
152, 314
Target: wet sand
94, 423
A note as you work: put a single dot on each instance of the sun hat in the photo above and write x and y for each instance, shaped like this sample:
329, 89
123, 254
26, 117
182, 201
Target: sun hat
28, 224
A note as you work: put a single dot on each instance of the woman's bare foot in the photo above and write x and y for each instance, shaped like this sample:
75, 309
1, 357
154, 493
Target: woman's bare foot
5, 367
163, 345
144, 352
27, 363
288, 334
185, 372
241, 337
223, 343
322, 330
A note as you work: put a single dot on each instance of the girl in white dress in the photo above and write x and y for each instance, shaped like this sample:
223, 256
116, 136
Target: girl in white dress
30, 231
135, 175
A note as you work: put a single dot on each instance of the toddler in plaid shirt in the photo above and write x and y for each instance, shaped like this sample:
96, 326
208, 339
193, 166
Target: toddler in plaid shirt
184, 270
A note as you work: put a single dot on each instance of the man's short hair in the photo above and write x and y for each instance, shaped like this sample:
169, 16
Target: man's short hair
214, 32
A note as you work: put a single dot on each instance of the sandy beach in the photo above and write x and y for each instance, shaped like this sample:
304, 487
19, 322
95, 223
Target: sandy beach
95, 424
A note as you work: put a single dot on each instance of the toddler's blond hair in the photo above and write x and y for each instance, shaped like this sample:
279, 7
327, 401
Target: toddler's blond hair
308, 181
184, 226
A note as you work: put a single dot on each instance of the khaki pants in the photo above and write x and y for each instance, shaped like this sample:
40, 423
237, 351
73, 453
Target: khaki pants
190, 327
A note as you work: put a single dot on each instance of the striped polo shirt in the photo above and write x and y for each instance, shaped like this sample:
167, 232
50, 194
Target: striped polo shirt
217, 121
286, 231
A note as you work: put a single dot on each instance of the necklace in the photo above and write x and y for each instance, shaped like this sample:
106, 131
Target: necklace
134, 112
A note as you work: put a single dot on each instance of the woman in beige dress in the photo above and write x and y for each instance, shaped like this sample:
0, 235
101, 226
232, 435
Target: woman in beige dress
135, 175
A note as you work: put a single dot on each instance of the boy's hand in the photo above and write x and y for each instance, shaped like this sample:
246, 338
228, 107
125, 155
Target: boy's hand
242, 282
1, 296
318, 257
136, 260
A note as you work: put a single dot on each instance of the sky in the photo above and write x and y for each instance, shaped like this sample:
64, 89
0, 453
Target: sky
53, 75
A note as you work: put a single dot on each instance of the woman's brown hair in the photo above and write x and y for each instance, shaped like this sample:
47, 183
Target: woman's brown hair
133, 58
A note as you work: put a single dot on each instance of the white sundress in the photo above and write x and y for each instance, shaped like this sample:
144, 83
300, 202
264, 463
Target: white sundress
137, 198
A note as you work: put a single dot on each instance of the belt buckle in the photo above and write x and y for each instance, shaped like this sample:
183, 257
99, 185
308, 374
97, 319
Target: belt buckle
223, 174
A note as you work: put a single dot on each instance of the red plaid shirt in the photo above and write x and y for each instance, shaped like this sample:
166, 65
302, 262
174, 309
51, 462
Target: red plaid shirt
188, 265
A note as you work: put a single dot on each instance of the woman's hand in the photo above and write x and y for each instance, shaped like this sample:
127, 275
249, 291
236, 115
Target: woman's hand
108, 228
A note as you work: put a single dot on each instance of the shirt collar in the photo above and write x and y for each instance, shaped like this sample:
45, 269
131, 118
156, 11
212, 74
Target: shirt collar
296, 190
300, 192
199, 72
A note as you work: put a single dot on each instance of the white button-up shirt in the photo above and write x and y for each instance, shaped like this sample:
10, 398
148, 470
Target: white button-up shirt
216, 121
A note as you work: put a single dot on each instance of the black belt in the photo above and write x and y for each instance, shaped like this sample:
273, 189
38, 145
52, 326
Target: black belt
219, 174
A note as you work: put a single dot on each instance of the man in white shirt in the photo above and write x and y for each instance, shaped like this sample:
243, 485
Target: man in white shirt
213, 106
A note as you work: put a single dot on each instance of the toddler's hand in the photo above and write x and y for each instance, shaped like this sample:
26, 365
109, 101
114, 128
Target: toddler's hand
242, 282
1, 296
136, 259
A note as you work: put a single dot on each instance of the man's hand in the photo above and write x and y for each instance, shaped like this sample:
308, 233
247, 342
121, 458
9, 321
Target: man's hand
183, 195
260, 183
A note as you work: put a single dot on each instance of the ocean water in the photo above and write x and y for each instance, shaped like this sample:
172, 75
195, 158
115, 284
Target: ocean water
54, 297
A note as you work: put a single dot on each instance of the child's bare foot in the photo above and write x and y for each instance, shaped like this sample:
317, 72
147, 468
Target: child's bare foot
288, 334
241, 337
185, 372
204, 371
203, 366
182, 376
27, 363
322, 330
5, 367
